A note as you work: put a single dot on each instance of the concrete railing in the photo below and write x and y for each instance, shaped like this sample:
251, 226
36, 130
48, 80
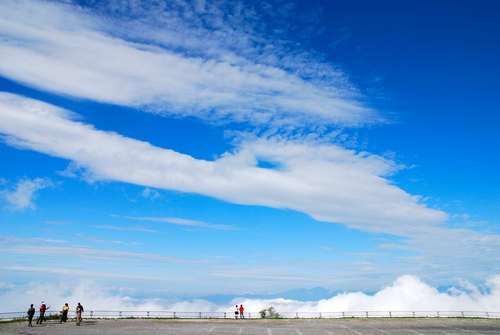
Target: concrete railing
91, 314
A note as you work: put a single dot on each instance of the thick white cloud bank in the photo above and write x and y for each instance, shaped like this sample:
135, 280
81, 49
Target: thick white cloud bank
62, 49
325, 181
406, 293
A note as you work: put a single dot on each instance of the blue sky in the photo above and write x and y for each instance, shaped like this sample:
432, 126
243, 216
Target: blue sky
189, 149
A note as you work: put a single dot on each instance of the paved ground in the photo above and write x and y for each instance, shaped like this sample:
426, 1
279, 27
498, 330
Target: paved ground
263, 327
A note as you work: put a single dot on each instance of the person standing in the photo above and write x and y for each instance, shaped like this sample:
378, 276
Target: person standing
79, 312
64, 313
236, 312
242, 310
31, 314
43, 308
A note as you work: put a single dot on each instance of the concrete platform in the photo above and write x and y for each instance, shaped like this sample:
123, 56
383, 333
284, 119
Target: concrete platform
263, 327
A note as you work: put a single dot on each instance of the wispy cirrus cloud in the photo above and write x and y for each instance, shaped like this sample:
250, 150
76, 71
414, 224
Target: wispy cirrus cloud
94, 239
325, 181
149, 193
195, 61
161, 71
87, 252
180, 222
138, 229
22, 195
9, 240
56, 222
77, 271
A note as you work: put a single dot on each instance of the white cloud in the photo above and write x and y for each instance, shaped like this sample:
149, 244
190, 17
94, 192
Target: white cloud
5, 286
78, 272
55, 222
181, 222
99, 240
86, 252
22, 196
138, 229
10, 240
89, 293
63, 49
325, 181
49, 247
452, 253
149, 193
220, 73
407, 293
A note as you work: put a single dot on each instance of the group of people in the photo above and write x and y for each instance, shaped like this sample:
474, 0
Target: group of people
239, 312
63, 316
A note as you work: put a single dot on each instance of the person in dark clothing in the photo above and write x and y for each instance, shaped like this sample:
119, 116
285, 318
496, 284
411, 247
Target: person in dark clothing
79, 312
31, 314
236, 312
43, 308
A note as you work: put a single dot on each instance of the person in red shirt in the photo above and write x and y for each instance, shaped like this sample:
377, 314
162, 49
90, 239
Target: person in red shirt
241, 312
41, 317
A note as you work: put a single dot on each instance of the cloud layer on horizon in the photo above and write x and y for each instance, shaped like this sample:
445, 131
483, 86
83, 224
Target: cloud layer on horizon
163, 64
406, 293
